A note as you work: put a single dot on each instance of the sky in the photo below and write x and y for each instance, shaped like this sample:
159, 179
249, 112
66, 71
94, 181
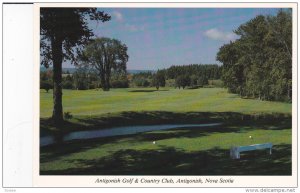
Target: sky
158, 38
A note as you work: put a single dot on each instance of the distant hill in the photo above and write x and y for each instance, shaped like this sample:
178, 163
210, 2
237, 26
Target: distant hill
72, 70
138, 71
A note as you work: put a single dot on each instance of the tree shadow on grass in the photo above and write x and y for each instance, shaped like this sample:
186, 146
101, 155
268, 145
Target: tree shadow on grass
61, 148
171, 161
57, 150
166, 117
160, 117
232, 122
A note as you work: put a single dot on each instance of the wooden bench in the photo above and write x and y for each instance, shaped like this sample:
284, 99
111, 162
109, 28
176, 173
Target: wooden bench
235, 151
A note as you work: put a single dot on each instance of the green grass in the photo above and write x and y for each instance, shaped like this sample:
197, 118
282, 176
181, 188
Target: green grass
188, 151
92, 102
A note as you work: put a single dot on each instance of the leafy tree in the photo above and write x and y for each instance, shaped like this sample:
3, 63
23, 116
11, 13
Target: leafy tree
280, 37
69, 77
105, 55
67, 84
63, 31
202, 81
81, 76
43, 76
46, 85
259, 63
120, 83
182, 81
229, 55
119, 79
211, 71
194, 80
141, 82
159, 79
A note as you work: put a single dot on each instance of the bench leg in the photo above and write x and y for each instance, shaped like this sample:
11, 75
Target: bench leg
270, 151
234, 154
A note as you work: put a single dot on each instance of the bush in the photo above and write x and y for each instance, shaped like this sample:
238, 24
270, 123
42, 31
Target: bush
202, 81
67, 84
170, 83
146, 83
68, 115
141, 82
194, 80
94, 85
194, 87
216, 83
183, 81
46, 85
119, 83
208, 86
81, 84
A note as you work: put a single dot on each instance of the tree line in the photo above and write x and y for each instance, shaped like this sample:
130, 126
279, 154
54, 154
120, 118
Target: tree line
179, 76
83, 78
87, 77
259, 63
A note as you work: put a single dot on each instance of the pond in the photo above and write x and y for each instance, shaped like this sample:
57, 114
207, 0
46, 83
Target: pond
117, 131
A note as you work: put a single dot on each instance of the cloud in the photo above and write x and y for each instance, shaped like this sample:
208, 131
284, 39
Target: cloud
134, 28
118, 15
216, 34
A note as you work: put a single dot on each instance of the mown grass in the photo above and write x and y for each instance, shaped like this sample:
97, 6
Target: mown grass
98, 102
188, 151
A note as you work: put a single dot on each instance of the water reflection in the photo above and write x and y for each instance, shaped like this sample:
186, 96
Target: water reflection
117, 131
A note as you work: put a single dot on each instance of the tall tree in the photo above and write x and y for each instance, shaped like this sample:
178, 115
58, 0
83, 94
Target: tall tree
182, 81
159, 79
259, 63
229, 55
105, 55
280, 37
81, 78
63, 32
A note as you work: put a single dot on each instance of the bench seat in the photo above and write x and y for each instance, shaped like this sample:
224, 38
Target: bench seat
235, 151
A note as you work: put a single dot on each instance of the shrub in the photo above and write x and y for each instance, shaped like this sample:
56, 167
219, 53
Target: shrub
81, 84
68, 115
67, 84
119, 83
94, 85
141, 82
170, 83
46, 85
216, 83
183, 81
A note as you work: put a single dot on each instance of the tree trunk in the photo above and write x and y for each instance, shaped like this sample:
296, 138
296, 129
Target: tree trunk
57, 114
104, 85
107, 79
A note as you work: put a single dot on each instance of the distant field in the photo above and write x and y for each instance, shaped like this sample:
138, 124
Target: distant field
97, 102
